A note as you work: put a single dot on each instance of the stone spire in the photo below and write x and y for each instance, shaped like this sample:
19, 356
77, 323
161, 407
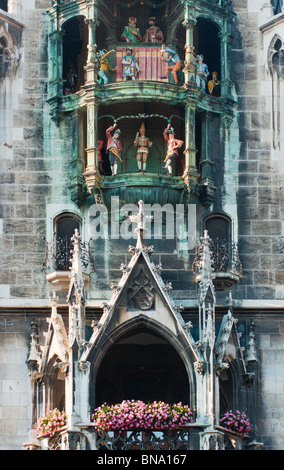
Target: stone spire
206, 295
251, 353
76, 294
140, 219
34, 358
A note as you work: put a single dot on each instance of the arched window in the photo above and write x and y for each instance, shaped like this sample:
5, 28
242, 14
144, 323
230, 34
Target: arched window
142, 365
55, 386
207, 43
75, 43
64, 229
218, 226
275, 60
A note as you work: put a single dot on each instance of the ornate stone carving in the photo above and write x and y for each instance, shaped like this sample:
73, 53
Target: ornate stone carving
141, 295
200, 367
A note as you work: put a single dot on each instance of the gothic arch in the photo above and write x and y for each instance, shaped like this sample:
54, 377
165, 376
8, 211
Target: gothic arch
275, 45
274, 61
53, 385
209, 44
75, 41
139, 327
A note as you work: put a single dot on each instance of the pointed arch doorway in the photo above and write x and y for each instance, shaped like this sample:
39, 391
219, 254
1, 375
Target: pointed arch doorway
142, 365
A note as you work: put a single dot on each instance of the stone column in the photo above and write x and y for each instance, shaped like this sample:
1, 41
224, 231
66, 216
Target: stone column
56, 56
225, 39
92, 175
207, 189
15, 8
189, 23
190, 174
77, 183
92, 60
82, 393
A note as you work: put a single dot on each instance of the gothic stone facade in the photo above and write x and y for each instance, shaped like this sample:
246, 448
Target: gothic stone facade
45, 179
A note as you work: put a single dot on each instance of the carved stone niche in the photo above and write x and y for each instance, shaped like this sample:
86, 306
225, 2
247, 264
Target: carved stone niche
141, 294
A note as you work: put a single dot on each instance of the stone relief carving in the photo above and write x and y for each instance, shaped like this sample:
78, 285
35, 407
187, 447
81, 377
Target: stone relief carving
141, 294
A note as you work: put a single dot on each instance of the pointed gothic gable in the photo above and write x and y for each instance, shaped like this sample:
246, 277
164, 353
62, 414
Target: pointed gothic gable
56, 339
141, 292
228, 347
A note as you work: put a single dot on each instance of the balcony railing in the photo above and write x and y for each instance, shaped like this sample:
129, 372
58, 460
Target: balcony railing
58, 255
191, 437
226, 263
143, 440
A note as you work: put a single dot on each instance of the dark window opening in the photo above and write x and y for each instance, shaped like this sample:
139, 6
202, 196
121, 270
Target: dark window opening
142, 366
207, 43
64, 231
219, 231
74, 54
218, 228
4, 5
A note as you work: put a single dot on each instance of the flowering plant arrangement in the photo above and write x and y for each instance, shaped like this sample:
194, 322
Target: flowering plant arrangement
237, 422
52, 422
132, 414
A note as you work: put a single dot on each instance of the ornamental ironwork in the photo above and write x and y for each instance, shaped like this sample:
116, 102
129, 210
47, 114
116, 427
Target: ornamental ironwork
143, 440
224, 257
58, 255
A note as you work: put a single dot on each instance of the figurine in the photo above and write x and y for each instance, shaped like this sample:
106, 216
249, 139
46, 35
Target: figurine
104, 66
153, 33
202, 72
70, 81
174, 62
114, 147
131, 33
143, 144
130, 65
214, 85
172, 146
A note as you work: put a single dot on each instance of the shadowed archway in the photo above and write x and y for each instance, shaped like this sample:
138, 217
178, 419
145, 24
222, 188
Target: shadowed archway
142, 365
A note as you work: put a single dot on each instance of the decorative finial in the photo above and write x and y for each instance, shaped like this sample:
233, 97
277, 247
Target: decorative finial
251, 354
140, 219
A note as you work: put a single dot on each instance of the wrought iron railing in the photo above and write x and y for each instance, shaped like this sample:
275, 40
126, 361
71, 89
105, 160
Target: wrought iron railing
58, 255
191, 437
143, 440
224, 257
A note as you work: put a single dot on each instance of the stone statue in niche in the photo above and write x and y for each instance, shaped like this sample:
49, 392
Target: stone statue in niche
141, 293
